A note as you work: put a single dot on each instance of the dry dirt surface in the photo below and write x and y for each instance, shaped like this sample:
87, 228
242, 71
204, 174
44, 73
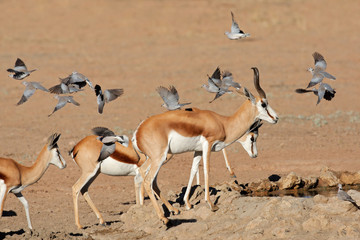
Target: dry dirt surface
140, 45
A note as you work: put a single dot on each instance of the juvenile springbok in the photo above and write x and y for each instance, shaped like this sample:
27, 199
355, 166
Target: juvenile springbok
123, 162
198, 131
248, 141
14, 177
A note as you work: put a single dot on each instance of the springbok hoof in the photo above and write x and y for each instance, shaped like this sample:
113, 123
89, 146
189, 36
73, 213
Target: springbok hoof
214, 208
175, 211
165, 221
79, 226
102, 222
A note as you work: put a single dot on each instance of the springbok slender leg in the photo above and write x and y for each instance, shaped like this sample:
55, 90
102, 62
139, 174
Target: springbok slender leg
194, 170
26, 206
170, 207
82, 185
3, 193
149, 177
206, 159
232, 174
139, 188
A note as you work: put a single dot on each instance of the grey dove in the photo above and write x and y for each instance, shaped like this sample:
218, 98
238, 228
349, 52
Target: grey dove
318, 72
106, 96
219, 83
324, 91
72, 83
170, 97
20, 70
342, 195
62, 88
108, 138
235, 32
62, 101
30, 88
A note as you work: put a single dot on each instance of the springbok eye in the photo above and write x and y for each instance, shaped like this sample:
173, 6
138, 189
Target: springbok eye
263, 105
252, 138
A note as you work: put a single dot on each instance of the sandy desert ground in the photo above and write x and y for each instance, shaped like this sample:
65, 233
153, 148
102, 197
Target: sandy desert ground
140, 45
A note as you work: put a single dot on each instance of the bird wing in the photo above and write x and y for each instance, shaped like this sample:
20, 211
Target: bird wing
328, 87
216, 74
228, 80
39, 86
106, 151
174, 92
112, 94
329, 92
212, 86
19, 63
29, 91
321, 93
102, 131
167, 96
76, 77
218, 94
100, 102
71, 100
89, 83
320, 62
58, 89
315, 79
328, 75
234, 26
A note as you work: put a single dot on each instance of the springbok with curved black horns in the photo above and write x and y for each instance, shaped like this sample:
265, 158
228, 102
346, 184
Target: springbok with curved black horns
122, 161
201, 132
14, 177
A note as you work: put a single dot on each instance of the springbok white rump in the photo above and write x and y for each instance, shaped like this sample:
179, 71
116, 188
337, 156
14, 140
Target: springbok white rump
202, 132
14, 177
123, 162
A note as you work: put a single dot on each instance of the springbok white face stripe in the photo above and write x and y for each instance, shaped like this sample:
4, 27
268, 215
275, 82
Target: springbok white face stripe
266, 113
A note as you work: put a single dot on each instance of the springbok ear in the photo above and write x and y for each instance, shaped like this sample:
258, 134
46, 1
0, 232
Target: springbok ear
248, 94
52, 140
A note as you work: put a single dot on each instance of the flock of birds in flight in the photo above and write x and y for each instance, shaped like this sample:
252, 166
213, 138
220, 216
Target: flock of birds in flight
218, 83
71, 84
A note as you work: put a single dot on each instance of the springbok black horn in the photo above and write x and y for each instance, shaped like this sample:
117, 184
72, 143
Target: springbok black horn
257, 83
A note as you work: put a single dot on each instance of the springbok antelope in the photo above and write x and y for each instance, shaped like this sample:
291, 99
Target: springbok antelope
14, 177
200, 131
123, 162
248, 141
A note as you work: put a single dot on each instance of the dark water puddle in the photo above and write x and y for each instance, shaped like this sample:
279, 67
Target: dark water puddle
302, 193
